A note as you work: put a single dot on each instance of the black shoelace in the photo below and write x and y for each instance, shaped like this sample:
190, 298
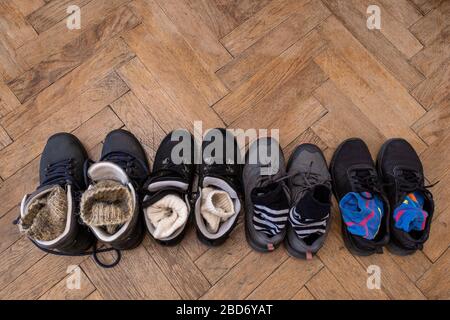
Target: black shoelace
410, 181
309, 179
128, 163
60, 173
366, 180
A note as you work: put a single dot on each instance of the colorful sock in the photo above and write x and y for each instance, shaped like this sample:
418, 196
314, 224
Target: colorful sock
362, 214
410, 215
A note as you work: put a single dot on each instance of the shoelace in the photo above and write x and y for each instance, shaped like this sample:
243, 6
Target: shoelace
364, 180
127, 162
409, 181
310, 179
60, 173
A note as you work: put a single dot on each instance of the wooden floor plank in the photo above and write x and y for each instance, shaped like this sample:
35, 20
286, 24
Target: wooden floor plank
16, 260
403, 10
33, 283
72, 55
26, 7
375, 42
435, 284
143, 278
414, 266
369, 69
181, 272
284, 282
384, 117
54, 39
162, 49
303, 294
435, 124
15, 29
431, 58
394, 281
344, 267
9, 233
64, 91
310, 68
434, 161
216, 262
68, 118
138, 120
247, 275
61, 291
173, 109
344, 120
426, 6
324, 286
269, 47
291, 109
204, 42
392, 28
260, 24
435, 89
430, 27
269, 78
51, 13
8, 101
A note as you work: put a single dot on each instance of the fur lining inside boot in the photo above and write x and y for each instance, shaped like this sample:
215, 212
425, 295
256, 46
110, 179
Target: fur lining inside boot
46, 217
107, 204
216, 207
167, 215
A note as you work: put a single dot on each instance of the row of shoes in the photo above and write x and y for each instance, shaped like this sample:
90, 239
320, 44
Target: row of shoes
80, 203
381, 204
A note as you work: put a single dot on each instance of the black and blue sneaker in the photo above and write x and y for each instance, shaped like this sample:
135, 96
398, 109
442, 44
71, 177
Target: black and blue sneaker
363, 206
411, 203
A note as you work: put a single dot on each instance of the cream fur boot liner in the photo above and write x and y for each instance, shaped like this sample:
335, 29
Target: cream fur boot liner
167, 215
216, 207
46, 217
107, 204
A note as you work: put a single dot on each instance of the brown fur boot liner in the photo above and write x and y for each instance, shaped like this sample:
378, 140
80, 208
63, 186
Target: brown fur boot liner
46, 217
107, 204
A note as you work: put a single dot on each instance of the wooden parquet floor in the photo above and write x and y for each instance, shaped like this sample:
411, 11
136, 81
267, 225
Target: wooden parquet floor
310, 68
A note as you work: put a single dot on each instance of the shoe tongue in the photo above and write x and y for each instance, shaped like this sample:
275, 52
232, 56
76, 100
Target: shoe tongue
315, 204
272, 196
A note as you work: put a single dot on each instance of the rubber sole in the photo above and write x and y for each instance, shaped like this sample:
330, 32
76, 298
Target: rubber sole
294, 253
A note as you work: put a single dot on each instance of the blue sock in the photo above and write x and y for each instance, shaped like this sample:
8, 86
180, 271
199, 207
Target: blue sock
410, 215
362, 214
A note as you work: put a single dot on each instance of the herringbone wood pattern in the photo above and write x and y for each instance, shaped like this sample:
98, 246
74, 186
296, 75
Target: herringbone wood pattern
308, 67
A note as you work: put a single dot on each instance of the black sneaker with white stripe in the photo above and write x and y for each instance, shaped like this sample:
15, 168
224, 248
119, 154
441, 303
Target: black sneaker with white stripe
266, 195
309, 183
